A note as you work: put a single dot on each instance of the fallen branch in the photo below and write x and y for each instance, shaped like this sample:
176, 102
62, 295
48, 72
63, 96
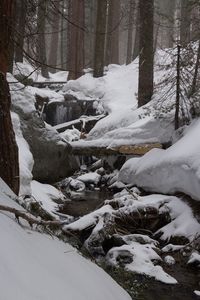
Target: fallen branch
29, 218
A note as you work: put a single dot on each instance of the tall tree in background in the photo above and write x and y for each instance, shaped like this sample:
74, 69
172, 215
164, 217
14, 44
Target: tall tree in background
99, 50
130, 31
145, 86
76, 39
9, 167
21, 22
185, 23
136, 48
55, 22
112, 46
41, 43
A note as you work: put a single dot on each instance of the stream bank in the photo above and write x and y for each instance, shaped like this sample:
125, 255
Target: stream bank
96, 196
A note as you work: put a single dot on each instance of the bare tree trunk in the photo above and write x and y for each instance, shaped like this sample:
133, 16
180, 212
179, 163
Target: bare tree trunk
112, 47
194, 81
177, 105
22, 7
100, 38
185, 23
76, 39
41, 46
145, 86
9, 167
53, 52
136, 48
130, 31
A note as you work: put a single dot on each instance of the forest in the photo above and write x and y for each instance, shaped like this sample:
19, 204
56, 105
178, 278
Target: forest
99, 149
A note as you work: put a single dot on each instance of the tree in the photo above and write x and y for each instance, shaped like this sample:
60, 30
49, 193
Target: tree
53, 51
76, 39
185, 23
146, 55
112, 47
41, 43
21, 22
9, 167
130, 31
99, 51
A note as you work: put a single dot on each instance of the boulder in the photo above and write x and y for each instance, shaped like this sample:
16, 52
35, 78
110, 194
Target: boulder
53, 160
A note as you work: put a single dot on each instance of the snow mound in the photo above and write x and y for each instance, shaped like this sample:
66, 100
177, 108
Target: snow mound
171, 170
35, 266
47, 195
25, 158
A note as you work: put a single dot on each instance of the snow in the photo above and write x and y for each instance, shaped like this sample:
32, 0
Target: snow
34, 73
140, 254
194, 258
36, 266
197, 293
89, 219
47, 195
169, 260
141, 248
25, 158
91, 177
168, 171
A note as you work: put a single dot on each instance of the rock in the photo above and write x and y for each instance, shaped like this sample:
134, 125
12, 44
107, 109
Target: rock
58, 112
52, 158
77, 185
169, 260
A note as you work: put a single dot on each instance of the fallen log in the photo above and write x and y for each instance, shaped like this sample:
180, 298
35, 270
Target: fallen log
88, 149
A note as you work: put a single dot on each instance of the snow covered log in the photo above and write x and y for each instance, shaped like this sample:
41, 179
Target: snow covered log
89, 149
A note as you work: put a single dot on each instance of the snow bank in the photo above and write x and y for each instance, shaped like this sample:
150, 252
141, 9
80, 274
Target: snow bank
35, 266
116, 89
47, 195
25, 158
171, 170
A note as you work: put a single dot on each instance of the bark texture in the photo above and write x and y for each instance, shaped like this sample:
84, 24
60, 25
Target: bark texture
145, 87
41, 43
9, 167
100, 38
112, 48
76, 39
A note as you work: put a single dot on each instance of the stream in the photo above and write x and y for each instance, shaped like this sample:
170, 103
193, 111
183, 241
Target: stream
139, 287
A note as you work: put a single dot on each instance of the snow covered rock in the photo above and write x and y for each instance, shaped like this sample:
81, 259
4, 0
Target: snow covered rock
171, 170
91, 177
52, 159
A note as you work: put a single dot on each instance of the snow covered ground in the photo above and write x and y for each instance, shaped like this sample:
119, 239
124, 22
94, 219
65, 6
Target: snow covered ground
36, 266
176, 169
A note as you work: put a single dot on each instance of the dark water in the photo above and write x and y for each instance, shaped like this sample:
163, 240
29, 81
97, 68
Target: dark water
85, 202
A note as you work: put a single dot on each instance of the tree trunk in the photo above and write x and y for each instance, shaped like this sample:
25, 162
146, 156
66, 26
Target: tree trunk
99, 50
9, 166
130, 31
22, 7
76, 39
53, 52
136, 48
185, 23
112, 47
177, 105
145, 87
41, 46
194, 81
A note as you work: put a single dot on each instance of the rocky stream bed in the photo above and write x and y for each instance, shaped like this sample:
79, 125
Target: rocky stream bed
101, 233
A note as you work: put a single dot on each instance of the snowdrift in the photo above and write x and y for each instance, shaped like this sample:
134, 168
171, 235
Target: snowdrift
176, 169
36, 266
